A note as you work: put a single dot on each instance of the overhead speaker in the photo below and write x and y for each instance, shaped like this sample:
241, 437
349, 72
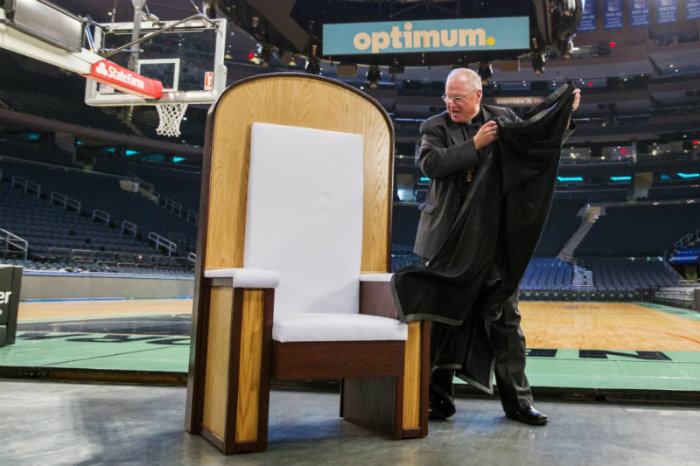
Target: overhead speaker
509, 65
345, 70
285, 57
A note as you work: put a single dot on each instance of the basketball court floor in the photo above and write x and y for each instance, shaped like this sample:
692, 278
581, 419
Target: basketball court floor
619, 381
595, 347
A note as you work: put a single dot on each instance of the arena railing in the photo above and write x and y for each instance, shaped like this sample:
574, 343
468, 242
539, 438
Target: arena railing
65, 201
159, 242
173, 206
101, 215
11, 240
27, 185
128, 227
192, 216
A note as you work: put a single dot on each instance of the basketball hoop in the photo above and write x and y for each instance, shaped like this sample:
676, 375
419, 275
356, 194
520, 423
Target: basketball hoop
170, 118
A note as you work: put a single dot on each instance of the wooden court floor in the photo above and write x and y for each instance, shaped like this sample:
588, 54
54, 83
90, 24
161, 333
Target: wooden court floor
604, 325
575, 325
101, 308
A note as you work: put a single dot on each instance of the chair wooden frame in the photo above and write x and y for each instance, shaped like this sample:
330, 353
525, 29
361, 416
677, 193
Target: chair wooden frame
384, 385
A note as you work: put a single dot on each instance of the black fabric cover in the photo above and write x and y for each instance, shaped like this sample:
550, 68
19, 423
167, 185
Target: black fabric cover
493, 237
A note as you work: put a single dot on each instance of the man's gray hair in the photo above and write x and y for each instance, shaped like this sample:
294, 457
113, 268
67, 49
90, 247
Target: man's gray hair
471, 75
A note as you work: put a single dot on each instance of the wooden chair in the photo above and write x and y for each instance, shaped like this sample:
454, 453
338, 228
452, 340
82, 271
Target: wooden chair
295, 221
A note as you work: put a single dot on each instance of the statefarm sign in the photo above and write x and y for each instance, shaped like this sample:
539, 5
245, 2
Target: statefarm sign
125, 80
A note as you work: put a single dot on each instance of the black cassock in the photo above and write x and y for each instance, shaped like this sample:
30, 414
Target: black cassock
492, 239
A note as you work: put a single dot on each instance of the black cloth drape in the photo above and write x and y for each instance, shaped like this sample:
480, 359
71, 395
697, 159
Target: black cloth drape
492, 239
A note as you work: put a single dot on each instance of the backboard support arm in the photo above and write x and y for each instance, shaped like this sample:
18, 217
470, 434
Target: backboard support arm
108, 53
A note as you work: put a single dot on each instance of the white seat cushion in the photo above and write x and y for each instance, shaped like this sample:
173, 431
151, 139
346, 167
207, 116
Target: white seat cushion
317, 326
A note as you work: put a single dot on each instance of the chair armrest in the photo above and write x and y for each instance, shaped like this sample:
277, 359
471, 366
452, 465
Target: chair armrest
247, 278
376, 277
375, 295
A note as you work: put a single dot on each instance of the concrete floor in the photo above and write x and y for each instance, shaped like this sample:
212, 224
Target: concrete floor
82, 424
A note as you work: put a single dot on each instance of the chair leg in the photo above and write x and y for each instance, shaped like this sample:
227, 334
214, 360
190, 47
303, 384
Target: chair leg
237, 377
372, 402
416, 378
397, 406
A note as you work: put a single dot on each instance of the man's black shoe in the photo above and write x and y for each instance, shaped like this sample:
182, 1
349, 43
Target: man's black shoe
528, 415
441, 403
439, 409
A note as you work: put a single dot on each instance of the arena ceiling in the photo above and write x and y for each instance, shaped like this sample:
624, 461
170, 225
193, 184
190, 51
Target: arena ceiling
293, 25
285, 28
629, 59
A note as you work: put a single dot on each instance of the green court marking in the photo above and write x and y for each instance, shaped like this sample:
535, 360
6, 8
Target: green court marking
620, 373
567, 370
676, 311
98, 351
160, 359
101, 317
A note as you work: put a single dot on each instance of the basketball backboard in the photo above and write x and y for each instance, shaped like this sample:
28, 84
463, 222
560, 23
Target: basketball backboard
186, 56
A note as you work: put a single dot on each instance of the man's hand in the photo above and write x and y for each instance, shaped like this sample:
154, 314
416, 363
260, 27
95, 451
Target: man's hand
577, 99
486, 134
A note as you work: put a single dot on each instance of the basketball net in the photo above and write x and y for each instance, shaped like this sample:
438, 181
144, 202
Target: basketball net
170, 118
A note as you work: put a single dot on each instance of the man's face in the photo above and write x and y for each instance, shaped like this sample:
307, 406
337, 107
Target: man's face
462, 110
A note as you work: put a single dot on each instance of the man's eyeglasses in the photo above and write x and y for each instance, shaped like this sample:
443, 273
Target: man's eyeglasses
456, 99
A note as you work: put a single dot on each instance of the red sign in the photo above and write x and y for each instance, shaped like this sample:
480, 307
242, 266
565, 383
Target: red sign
125, 80
208, 80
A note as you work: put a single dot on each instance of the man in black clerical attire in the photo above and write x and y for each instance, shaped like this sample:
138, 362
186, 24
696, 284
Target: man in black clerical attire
492, 177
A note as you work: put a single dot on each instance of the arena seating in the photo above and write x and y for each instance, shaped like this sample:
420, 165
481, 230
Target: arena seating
96, 191
547, 274
639, 230
660, 192
53, 156
47, 226
177, 187
562, 222
404, 224
402, 256
594, 194
180, 185
613, 277
50, 98
67, 234
68, 238
617, 273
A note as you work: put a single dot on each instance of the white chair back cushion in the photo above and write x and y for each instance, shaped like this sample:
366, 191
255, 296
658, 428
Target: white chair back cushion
304, 216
